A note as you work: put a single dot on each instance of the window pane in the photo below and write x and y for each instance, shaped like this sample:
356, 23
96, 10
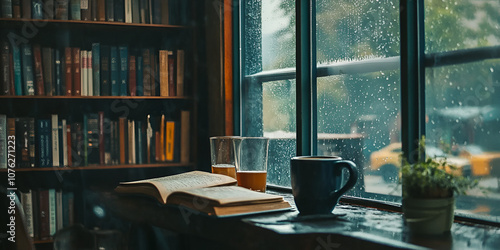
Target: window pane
463, 119
268, 109
358, 113
453, 25
358, 119
356, 30
280, 125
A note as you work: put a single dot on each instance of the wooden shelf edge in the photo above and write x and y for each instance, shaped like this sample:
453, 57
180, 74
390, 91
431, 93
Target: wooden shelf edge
99, 167
48, 241
99, 23
96, 97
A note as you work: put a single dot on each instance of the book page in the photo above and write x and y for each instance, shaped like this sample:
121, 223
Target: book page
231, 195
190, 180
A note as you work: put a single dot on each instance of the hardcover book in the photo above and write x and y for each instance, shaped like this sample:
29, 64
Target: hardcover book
3, 141
16, 56
48, 70
123, 70
6, 8
5, 68
219, 192
40, 88
114, 71
61, 9
77, 73
96, 69
75, 10
27, 61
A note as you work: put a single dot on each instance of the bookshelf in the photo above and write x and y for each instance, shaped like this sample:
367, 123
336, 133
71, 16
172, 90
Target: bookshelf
146, 121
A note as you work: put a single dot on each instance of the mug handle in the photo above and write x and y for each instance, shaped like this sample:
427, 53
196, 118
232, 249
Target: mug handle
353, 178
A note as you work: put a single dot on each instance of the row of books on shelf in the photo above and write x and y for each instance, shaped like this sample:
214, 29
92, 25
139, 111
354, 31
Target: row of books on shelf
101, 71
128, 11
46, 211
95, 140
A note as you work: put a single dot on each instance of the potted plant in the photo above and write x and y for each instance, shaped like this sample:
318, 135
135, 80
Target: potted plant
429, 188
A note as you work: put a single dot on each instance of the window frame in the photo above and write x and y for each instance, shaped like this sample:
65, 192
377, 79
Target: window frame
412, 62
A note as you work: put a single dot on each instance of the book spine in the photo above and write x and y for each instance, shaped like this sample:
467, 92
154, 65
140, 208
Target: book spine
55, 140
37, 9
3, 141
84, 72
101, 138
155, 76
41, 138
85, 10
163, 73
128, 11
22, 142
105, 140
180, 73
61, 9
171, 74
143, 11
64, 143
16, 9
52, 212
27, 61
85, 141
58, 74
48, 9
132, 76
169, 141
149, 135
161, 144
26, 201
68, 55
101, 10
136, 11
139, 135
48, 70
68, 208
77, 144
105, 63
16, 55
156, 11
43, 215
75, 10
96, 70
139, 77
110, 14
59, 210
164, 12
26, 9
90, 73
11, 73
31, 141
93, 10
185, 138
122, 127
115, 74
123, 70
146, 57
5, 68
69, 145
77, 74
119, 11
40, 88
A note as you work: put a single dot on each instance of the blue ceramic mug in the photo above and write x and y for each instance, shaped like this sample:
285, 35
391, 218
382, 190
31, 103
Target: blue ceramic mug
317, 180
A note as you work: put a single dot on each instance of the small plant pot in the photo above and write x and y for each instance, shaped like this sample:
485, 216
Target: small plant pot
429, 216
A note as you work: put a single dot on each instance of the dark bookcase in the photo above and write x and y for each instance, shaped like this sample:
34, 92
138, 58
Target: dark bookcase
88, 98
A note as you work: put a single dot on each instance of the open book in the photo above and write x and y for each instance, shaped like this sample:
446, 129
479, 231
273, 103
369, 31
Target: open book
213, 194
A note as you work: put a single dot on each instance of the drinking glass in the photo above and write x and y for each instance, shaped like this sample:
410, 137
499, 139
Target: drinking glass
251, 163
223, 154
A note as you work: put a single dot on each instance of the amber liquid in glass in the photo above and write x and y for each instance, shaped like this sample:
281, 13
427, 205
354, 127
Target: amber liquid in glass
225, 169
254, 180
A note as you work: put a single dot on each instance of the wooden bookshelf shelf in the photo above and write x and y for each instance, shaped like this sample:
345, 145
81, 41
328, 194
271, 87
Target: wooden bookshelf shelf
98, 167
14, 22
99, 97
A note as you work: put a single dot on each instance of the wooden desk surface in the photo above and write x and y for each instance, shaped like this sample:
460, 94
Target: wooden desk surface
350, 227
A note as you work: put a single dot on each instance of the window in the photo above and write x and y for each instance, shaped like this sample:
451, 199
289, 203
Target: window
362, 101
